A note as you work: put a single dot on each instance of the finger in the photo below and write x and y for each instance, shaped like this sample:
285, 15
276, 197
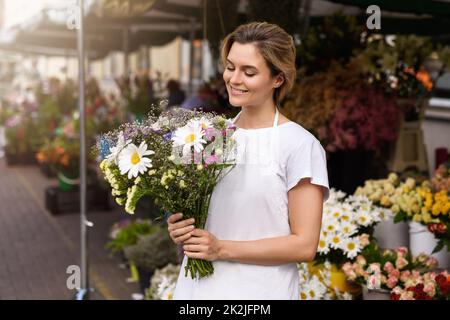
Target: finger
181, 224
181, 231
195, 255
194, 248
195, 240
183, 238
175, 217
199, 233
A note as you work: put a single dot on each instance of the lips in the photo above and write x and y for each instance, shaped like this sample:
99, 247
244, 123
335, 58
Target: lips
237, 92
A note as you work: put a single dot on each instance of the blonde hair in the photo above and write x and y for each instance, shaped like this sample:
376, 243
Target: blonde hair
274, 44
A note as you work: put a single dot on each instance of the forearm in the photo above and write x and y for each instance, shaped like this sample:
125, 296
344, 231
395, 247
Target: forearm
269, 251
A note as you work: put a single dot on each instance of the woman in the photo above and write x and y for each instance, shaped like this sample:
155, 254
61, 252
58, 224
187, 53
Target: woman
265, 215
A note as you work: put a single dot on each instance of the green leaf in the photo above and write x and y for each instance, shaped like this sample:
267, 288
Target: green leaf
439, 246
401, 216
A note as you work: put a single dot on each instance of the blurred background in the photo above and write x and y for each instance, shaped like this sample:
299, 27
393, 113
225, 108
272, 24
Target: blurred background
373, 85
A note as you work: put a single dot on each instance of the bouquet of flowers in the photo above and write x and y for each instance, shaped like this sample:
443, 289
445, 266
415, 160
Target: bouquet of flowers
429, 286
347, 227
163, 282
387, 269
176, 158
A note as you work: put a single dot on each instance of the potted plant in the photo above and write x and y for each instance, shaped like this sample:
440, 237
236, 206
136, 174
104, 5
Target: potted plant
379, 271
151, 252
347, 227
429, 286
424, 208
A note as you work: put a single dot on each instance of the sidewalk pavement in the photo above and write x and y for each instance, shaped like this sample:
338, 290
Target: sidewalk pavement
36, 247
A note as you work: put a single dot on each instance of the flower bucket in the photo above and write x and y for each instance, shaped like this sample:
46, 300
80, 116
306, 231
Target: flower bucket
65, 183
421, 240
134, 272
337, 278
392, 235
375, 294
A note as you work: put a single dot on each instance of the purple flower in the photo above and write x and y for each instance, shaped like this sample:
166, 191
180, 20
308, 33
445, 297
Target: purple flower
167, 136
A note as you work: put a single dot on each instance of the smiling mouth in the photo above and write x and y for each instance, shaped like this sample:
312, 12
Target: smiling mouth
237, 91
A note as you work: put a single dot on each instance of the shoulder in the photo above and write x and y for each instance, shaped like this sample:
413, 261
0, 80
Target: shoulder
294, 136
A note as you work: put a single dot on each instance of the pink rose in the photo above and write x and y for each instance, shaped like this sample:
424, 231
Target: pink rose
401, 262
388, 267
401, 251
431, 262
361, 260
404, 275
430, 289
394, 273
364, 240
391, 282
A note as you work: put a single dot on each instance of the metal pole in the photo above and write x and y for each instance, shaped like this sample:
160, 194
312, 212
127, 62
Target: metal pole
84, 290
191, 57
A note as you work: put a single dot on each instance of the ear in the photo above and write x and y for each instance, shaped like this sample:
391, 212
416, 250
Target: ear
279, 80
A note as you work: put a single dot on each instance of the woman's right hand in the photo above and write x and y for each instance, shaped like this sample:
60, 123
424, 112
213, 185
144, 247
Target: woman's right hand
180, 230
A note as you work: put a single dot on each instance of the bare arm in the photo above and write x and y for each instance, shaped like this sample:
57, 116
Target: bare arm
305, 215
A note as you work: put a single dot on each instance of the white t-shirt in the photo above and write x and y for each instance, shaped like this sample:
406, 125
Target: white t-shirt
251, 203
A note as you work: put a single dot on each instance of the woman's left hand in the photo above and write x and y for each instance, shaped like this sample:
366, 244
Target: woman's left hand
202, 245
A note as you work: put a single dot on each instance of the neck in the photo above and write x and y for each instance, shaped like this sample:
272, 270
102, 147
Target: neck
254, 117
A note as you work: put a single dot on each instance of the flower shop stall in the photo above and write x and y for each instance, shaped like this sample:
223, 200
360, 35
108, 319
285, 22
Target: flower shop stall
365, 102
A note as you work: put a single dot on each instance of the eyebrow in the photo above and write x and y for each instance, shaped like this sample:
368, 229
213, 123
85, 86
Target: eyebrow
245, 66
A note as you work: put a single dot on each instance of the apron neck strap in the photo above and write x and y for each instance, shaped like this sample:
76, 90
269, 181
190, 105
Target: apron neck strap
275, 120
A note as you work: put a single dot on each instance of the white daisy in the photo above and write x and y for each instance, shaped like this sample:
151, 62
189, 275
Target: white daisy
330, 226
115, 151
132, 160
364, 218
323, 246
336, 241
188, 136
351, 247
348, 229
204, 123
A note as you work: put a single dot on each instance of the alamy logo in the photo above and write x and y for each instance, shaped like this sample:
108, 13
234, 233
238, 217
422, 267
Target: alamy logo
74, 280
374, 20
73, 17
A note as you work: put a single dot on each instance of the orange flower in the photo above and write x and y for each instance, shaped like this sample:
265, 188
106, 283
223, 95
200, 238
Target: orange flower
424, 77
40, 157
65, 160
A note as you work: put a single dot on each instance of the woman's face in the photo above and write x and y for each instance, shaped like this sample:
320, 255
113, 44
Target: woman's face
247, 77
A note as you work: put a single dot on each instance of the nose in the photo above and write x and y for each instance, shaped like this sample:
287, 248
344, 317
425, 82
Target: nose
235, 77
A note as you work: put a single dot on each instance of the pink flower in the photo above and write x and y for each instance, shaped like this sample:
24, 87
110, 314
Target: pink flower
211, 159
430, 288
401, 251
401, 262
394, 273
407, 295
404, 275
211, 133
388, 267
364, 240
431, 262
391, 282
360, 260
